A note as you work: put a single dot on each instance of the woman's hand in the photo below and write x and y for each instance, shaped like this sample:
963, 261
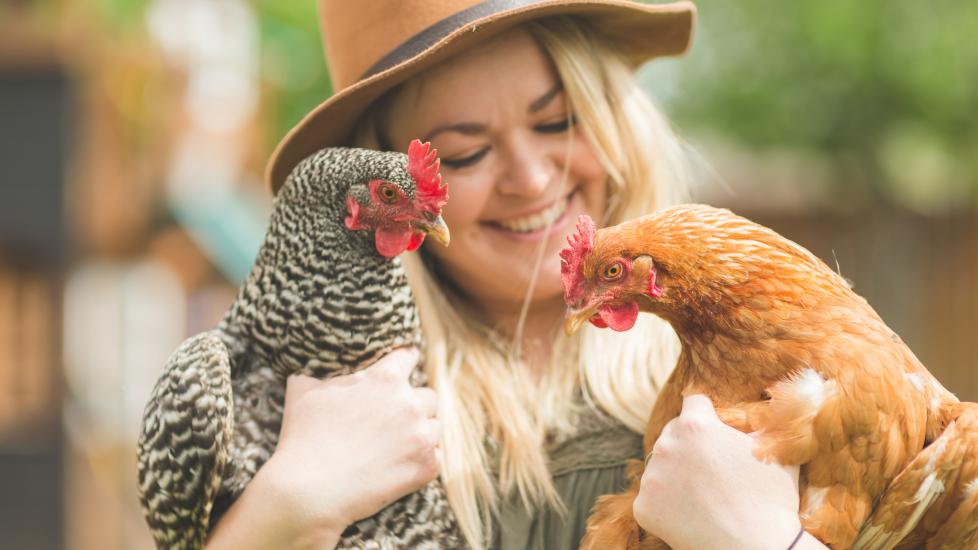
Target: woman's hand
703, 488
348, 447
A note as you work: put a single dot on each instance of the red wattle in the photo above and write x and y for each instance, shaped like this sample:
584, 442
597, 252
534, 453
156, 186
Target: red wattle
415, 242
596, 321
391, 242
620, 317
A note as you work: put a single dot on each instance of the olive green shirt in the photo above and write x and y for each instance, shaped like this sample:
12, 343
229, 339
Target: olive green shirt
585, 464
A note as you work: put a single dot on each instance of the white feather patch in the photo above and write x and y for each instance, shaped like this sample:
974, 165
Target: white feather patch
930, 485
915, 379
814, 498
971, 488
874, 537
811, 387
938, 453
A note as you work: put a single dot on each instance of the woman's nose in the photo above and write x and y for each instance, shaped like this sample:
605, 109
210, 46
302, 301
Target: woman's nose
527, 170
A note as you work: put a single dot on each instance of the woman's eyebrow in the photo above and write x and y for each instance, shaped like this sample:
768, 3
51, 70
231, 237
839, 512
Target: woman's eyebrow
544, 100
472, 128
467, 128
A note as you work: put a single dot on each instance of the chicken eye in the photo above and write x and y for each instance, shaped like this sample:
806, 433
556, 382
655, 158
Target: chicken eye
614, 271
387, 193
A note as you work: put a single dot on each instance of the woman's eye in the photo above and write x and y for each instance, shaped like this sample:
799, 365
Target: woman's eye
465, 161
556, 127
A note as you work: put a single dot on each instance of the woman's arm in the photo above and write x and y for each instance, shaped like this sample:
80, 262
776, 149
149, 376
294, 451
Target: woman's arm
348, 447
703, 488
262, 518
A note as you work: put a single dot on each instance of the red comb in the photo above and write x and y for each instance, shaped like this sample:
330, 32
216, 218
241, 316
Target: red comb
423, 164
571, 258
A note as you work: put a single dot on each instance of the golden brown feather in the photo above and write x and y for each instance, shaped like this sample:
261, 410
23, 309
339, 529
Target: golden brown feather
782, 346
932, 502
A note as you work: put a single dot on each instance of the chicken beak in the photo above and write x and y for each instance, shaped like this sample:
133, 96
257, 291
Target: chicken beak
575, 318
437, 230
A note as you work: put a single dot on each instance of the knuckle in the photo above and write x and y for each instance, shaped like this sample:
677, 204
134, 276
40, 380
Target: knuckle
427, 468
663, 448
669, 431
420, 440
652, 481
692, 424
411, 409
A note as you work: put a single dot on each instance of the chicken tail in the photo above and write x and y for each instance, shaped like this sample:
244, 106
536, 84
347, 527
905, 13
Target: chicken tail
934, 500
961, 529
183, 447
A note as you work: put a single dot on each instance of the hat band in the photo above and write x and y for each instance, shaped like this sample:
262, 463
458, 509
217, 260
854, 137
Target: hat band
431, 35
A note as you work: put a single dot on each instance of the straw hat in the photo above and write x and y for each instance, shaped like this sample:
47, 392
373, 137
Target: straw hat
374, 45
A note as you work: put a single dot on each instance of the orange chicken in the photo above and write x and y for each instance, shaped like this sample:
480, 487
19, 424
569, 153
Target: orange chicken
786, 349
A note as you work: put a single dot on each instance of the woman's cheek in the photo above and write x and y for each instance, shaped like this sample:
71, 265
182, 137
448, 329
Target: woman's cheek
466, 201
589, 173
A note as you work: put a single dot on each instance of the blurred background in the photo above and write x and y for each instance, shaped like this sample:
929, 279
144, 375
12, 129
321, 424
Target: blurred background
133, 135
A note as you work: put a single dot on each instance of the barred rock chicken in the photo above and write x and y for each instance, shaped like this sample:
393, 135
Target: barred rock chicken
325, 297
785, 349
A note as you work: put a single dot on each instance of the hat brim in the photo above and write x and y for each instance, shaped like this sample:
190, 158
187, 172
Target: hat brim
641, 31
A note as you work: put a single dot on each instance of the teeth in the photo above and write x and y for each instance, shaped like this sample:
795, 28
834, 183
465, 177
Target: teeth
538, 220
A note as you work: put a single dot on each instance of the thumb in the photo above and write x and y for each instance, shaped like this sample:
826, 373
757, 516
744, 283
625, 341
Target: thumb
697, 403
400, 362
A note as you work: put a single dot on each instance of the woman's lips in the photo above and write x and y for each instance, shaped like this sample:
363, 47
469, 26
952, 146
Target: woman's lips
533, 226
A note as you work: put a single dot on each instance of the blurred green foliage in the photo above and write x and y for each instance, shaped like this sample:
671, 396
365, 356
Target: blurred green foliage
293, 68
293, 63
117, 14
890, 86
885, 90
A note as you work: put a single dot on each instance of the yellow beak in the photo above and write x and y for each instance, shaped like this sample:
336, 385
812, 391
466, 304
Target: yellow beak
575, 318
437, 230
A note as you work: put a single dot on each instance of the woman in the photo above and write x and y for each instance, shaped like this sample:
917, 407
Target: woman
537, 120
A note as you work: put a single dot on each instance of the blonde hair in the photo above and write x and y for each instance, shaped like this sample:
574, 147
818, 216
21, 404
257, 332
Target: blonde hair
482, 390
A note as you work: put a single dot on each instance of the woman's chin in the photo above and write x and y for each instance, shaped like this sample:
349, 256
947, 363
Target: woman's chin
548, 285
512, 287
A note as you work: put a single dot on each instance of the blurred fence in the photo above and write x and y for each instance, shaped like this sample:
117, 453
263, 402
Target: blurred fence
919, 273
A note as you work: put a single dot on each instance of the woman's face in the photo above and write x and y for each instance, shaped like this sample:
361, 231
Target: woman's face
499, 118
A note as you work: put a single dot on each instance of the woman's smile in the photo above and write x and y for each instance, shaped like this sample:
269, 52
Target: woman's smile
532, 226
